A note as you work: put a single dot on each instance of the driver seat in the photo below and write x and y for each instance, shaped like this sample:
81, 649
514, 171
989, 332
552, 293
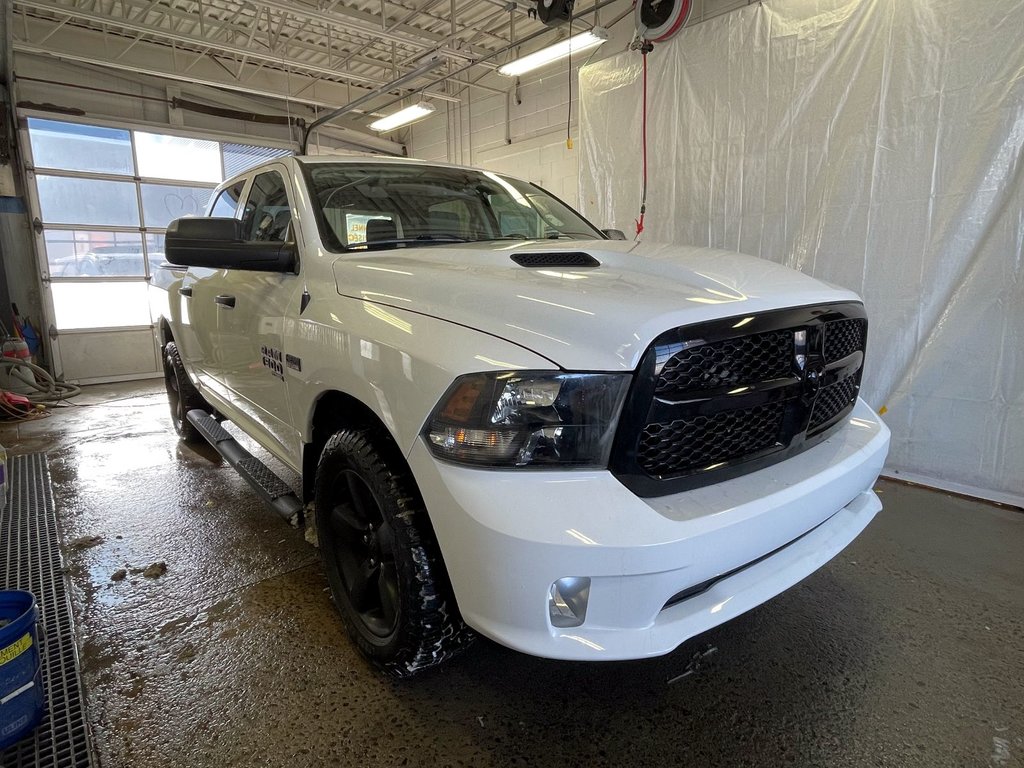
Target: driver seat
381, 229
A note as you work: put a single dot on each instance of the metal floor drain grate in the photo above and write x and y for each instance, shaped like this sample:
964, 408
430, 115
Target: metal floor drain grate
30, 559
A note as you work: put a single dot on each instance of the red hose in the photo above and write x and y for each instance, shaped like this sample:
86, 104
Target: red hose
643, 194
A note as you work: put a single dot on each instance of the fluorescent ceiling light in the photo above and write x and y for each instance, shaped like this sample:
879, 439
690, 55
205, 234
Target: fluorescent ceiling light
402, 117
581, 42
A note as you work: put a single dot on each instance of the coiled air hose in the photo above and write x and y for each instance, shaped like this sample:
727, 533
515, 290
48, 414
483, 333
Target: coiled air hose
46, 388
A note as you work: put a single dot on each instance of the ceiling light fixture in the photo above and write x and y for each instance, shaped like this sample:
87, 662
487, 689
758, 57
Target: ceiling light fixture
581, 42
403, 117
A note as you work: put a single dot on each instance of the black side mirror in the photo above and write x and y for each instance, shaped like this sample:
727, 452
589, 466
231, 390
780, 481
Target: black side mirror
614, 234
222, 230
216, 243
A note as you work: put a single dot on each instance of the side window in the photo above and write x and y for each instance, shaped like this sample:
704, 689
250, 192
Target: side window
227, 201
267, 214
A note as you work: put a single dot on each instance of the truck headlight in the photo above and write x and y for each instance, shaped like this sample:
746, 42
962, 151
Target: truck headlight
528, 419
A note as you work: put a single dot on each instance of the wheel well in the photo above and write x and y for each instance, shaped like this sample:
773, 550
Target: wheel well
165, 332
334, 411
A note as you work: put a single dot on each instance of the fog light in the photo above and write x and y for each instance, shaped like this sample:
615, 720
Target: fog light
567, 604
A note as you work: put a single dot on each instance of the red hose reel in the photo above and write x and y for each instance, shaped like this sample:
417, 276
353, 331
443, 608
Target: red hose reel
660, 20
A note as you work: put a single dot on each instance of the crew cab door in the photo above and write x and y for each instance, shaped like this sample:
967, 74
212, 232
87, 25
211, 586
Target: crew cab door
197, 310
251, 309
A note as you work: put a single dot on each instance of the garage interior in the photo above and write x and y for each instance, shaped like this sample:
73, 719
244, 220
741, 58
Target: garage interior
873, 144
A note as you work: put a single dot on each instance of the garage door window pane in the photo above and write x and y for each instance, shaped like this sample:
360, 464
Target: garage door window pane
100, 305
162, 203
77, 253
155, 249
74, 147
87, 201
241, 157
175, 157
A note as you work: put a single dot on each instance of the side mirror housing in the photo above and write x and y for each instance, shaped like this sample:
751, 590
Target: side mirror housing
216, 243
614, 234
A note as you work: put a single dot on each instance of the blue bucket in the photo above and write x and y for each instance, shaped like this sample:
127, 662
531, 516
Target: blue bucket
22, 702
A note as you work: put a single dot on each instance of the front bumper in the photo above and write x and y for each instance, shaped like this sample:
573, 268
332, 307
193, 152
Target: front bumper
506, 536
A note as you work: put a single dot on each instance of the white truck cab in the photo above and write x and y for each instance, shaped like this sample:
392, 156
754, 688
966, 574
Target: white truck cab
580, 447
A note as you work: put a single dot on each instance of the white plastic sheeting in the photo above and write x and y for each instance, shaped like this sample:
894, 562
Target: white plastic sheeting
876, 144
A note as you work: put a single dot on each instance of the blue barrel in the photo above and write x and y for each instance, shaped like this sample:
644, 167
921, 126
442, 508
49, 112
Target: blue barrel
22, 702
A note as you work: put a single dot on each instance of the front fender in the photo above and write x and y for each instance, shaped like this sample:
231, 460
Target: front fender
398, 363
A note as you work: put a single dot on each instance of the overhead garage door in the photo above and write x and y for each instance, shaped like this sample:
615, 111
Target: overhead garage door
102, 199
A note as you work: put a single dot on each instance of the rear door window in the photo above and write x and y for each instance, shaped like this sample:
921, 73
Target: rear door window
267, 215
226, 204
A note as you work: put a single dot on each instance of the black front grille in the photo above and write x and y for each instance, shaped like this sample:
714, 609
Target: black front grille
714, 401
833, 400
706, 440
844, 337
727, 363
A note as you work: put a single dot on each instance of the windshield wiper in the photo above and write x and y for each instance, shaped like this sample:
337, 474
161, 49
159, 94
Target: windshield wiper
418, 240
556, 235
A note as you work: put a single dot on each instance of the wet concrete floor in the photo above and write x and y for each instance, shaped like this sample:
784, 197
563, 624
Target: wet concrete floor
906, 650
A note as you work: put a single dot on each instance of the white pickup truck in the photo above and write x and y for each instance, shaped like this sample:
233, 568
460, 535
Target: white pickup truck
507, 421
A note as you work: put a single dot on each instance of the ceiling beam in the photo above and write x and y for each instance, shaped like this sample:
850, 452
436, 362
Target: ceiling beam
140, 23
161, 61
364, 22
223, 48
429, 4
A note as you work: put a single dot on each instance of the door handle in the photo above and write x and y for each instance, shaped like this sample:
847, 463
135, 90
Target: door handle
225, 301
185, 292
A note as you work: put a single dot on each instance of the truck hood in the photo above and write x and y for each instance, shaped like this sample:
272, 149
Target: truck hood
598, 318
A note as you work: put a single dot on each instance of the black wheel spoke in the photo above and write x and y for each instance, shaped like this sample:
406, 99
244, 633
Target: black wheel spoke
346, 522
387, 590
361, 587
385, 541
365, 507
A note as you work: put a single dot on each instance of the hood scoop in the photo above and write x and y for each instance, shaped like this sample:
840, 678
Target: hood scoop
555, 259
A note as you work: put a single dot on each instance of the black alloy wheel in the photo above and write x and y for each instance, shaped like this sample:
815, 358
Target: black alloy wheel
381, 558
364, 546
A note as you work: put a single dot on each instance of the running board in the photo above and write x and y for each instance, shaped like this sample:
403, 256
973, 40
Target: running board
271, 488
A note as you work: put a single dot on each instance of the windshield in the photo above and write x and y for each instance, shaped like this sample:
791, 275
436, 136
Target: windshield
375, 206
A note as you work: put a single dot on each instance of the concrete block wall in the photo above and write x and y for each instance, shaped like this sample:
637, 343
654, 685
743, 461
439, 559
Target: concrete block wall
522, 132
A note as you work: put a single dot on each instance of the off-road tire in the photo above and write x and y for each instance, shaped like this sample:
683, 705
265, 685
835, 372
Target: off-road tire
416, 624
181, 395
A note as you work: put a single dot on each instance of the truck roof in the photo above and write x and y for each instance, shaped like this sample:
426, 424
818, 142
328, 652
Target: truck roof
350, 160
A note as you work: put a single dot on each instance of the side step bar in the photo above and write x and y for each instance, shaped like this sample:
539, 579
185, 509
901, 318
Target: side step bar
271, 488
